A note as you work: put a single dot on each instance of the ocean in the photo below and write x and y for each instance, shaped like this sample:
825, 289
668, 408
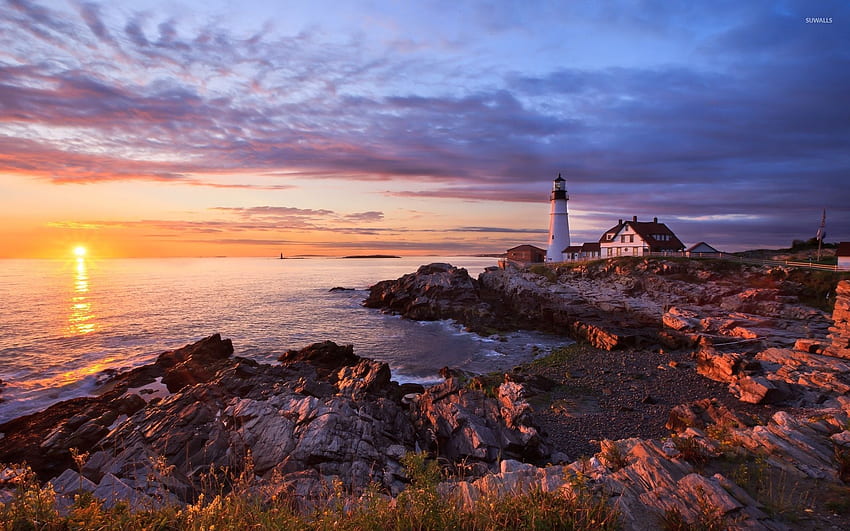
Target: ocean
65, 324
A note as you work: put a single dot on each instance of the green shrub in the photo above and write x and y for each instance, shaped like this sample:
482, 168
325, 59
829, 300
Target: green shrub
544, 271
560, 355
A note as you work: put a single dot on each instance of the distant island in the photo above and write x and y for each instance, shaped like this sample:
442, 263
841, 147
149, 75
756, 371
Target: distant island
372, 256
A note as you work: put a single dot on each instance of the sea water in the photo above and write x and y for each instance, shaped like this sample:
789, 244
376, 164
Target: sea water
65, 324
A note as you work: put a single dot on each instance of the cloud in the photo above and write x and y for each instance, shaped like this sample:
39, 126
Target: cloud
365, 217
747, 123
277, 212
499, 230
91, 15
480, 193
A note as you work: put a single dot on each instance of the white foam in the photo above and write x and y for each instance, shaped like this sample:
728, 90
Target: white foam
151, 391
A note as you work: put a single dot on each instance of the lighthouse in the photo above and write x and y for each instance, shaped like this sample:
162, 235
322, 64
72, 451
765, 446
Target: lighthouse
559, 223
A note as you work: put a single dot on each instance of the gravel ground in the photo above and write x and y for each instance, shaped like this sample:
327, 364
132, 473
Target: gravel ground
618, 394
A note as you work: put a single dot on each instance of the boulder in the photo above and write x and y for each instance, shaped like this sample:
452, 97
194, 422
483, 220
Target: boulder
719, 366
703, 413
435, 291
464, 424
756, 390
195, 363
327, 357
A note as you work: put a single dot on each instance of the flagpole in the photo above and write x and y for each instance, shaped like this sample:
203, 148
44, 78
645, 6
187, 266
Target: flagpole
821, 232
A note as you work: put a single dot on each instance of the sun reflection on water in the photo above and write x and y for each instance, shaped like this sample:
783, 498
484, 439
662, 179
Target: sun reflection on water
81, 319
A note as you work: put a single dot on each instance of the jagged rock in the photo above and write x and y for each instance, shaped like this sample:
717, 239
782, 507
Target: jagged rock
645, 484
812, 346
840, 331
435, 291
719, 366
702, 413
195, 363
611, 304
464, 424
756, 390
801, 446
681, 319
323, 413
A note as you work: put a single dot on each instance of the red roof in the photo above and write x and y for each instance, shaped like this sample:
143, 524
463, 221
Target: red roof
648, 230
843, 249
525, 245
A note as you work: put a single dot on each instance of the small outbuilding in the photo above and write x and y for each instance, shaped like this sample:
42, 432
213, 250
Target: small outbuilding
843, 255
573, 252
590, 251
526, 253
702, 250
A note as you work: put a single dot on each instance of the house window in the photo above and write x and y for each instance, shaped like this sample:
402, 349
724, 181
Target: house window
610, 251
631, 238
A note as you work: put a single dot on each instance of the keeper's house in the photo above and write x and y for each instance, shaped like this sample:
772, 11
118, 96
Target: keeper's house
638, 238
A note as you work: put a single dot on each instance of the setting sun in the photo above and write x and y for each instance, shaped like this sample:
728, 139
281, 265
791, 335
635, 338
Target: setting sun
79, 251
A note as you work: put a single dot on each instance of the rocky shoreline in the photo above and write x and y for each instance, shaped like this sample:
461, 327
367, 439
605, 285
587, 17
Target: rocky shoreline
324, 414
690, 380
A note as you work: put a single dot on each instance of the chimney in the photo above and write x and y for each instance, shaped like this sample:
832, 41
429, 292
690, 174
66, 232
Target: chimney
619, 222
634, 218
655, 220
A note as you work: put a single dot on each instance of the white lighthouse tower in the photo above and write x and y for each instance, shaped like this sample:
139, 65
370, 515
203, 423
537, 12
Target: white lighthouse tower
559, 222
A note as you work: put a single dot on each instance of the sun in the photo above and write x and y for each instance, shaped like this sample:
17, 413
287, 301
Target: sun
80, 251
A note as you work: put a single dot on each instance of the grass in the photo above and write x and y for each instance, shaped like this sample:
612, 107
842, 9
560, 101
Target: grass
488, 383
613, 455
420, 506
544, 271
561, 355
837, 499
842, 458
818, 287
781, 495
691, 451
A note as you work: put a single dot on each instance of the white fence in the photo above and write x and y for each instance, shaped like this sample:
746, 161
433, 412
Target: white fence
696, 256
726, 256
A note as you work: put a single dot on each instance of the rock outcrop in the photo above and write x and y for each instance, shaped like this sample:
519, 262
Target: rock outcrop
501, 300
436, 291
806, 375
617, 303
324, 414
839, 333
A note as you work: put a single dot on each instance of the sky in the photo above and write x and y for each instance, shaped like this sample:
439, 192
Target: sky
252, 128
